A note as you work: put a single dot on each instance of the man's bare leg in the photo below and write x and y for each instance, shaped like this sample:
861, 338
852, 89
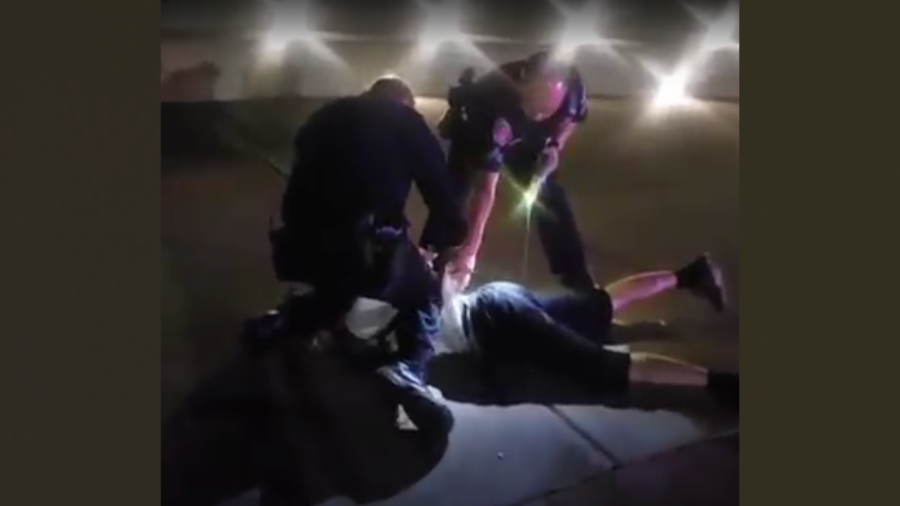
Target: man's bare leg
640, 287
661, 370
700, 277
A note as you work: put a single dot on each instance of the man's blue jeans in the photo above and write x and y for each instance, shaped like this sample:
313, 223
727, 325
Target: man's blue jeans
561, 334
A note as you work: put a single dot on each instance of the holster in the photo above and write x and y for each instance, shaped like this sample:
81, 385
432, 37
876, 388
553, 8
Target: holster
377, 260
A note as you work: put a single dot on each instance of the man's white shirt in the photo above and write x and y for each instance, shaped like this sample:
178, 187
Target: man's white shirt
368, 317
453, 337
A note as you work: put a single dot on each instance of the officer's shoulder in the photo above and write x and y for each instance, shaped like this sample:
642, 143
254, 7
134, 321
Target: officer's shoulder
575, 82
496, 85
332, 108
360, 106
355, 102
405, 113
573, 74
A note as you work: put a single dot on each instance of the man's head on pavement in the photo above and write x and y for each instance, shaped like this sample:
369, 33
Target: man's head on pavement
392, 88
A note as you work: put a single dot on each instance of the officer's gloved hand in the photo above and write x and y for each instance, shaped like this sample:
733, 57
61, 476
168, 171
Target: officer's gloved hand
430, 256
459, 270
438, 260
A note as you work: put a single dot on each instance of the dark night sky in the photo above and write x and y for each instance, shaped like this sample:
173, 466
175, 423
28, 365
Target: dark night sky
631, 19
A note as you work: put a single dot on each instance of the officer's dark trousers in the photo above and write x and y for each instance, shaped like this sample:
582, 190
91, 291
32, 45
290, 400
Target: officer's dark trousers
556, 226
335, 271
552, 214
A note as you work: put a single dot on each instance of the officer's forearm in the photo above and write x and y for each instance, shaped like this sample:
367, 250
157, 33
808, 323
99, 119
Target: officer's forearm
480, 210
428, 168
563, 134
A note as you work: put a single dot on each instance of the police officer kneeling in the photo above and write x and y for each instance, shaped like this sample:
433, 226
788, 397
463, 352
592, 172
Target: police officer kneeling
344, 230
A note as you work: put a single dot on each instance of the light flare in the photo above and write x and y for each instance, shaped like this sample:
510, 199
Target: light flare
442, 26
720, 31
530, 197
580, 31
290, 24
673, 88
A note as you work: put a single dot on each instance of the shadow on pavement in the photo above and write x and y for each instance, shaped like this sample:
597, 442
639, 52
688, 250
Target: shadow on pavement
465, 379
337, 439
473, 380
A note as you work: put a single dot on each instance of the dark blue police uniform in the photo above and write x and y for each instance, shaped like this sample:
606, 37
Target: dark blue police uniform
345, 231
473, 148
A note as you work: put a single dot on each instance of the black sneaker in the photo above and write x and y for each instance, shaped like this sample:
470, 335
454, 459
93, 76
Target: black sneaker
704, 279
426, 410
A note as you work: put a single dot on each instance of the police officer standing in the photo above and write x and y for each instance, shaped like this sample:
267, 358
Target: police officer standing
520, 116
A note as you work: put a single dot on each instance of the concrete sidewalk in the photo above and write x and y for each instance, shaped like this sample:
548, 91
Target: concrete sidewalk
496, 455
573, 456
647, 196
528, 456
705, 473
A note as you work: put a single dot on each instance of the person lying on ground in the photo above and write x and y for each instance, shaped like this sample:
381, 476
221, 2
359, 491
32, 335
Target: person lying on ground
566, 334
